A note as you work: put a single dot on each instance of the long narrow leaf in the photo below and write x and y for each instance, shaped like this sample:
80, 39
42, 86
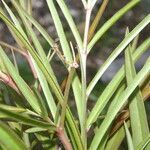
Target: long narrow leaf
64, 43
71, 24
38, 46
110, 22
36, 42
39, 27
129, 138
46, 90
11, 108
54, 85
10, 139
27, 120
34, 129
23, 87
115, 140
117, 51
15, 20
52, 82
138, 118
122, 100
113, 85
144, 144
60, 31
75, 83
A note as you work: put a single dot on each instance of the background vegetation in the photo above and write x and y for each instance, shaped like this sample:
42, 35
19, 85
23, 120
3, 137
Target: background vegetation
51, 94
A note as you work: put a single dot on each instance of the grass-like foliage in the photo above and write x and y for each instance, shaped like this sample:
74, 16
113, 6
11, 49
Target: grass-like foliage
39, 116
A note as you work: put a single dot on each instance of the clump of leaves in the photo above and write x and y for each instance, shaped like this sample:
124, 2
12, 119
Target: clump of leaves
39, 116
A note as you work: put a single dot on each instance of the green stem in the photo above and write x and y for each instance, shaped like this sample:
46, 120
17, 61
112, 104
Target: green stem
66, 95
83, 69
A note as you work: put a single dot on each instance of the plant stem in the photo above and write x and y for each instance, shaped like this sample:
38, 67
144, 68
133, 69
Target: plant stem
97, 19
66, 94
24, 53
84, 3
83, 68
61, 135
92, 3
8, 81
21, 51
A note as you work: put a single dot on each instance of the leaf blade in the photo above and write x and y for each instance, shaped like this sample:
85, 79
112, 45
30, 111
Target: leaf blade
129, 138
123, 98
8, 136
139, 124
113, 85
110, 22
117, 51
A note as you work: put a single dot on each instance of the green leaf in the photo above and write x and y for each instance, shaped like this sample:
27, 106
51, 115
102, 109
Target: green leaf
46, 90
26, 140
116, 95
60, 31
15, 20
110, 23
44, 112
73, 130
117, 51
66, 96
42, 79
134, 43
71, 23
129, 138
115, 140
113, 85
76, 86
144, 145
34, 38
139, 124
23, 87
121, 101
36, 42
13, 108
2, 67
58, 91
35, 129
38, 27
54, 85
10, 139
75, 83
26, 120
11, 31
65, 46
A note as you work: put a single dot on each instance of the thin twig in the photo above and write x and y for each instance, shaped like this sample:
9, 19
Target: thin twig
23, 53
15, 61
63, 138
74, 63
8, 81
71, 69
97, 19
66, 95
60, 56
29, 59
